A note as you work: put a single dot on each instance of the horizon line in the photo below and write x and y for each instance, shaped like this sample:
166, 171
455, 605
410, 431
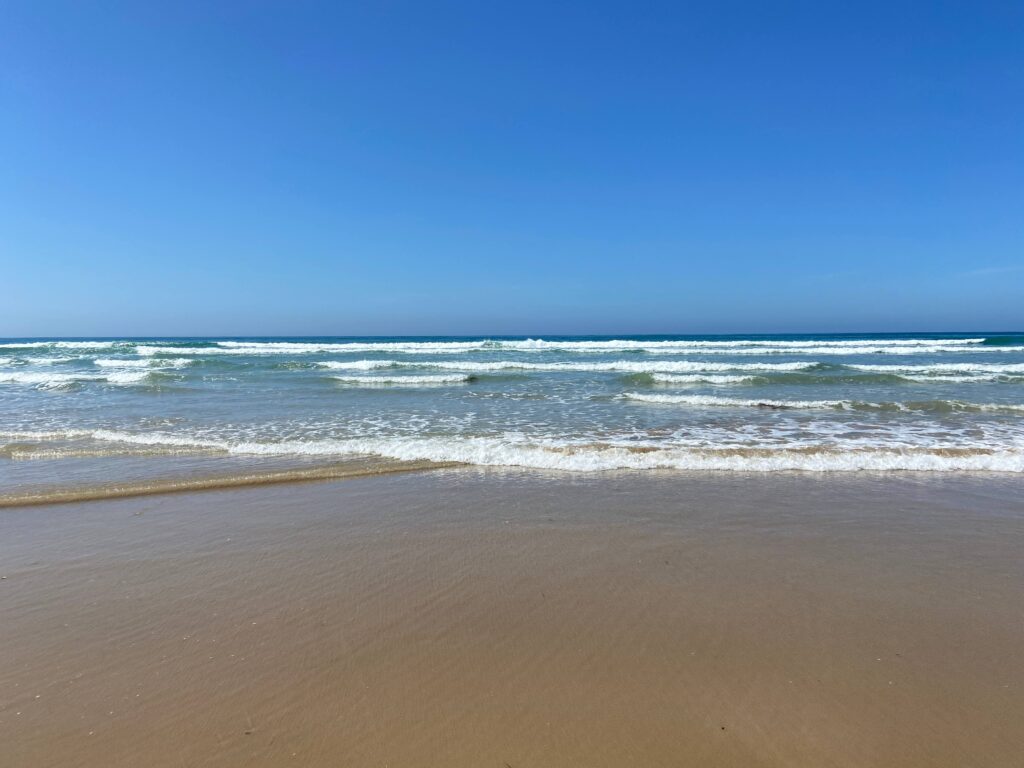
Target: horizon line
61, 337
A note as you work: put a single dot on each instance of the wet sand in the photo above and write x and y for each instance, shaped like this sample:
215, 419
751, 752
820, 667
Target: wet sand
490, 618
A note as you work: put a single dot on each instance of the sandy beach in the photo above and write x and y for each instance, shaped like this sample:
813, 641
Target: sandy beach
472, 618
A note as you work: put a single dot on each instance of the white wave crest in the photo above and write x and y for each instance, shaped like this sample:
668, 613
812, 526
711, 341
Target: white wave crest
126, 377
61, 344
706, 346
611, 366
845, 405
298, 348
403, 381
570, 456
179, 362
65, 380
711, 400
698, 378
965, 378
937, 368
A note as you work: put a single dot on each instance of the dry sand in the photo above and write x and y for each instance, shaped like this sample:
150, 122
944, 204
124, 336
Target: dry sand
487, 618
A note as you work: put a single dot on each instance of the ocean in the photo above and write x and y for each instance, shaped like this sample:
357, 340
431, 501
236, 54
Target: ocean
102, 412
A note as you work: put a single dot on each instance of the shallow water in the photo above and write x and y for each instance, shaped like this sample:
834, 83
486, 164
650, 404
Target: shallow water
77, 411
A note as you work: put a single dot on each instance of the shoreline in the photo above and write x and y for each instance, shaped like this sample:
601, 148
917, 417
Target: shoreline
366, 467
477, 617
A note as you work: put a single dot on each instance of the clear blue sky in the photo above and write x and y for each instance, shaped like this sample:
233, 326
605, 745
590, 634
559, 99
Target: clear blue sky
461, 168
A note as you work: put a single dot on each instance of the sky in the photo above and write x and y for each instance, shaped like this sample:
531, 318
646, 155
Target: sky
481, 168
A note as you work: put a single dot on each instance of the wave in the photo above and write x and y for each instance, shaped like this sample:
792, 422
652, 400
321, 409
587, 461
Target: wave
976, 378
404, 381
735, 346
566, 455
700, 378
296, 348
23, 361
611, 366
942, 368
830, 350
53, 360
68, 380
62, 344
1005, 340
179, 362
126, 377
613, 345
710, 346
710, 400
941, 406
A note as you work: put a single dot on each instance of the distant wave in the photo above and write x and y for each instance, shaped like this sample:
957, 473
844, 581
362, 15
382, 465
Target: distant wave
62, 344
736, 347
302, 348
213, 346
1006, 340
611, 366
614, 345
827, 348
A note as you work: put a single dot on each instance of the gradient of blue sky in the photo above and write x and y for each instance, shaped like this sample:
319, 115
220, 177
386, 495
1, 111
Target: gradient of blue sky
384, 167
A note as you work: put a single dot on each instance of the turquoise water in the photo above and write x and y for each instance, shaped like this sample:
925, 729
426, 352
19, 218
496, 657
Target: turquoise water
936, 402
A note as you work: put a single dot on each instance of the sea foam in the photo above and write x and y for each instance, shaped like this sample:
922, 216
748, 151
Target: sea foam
611, 366
403, 381
576, 457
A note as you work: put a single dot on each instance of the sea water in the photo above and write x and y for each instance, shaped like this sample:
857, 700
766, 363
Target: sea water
814, 403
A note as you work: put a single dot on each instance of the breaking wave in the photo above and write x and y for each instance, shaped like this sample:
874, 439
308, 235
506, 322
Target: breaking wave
591, 457
700, 378
708, 346
938, 406
179, 362
403, 381
68, 380
940, 368
611, 366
